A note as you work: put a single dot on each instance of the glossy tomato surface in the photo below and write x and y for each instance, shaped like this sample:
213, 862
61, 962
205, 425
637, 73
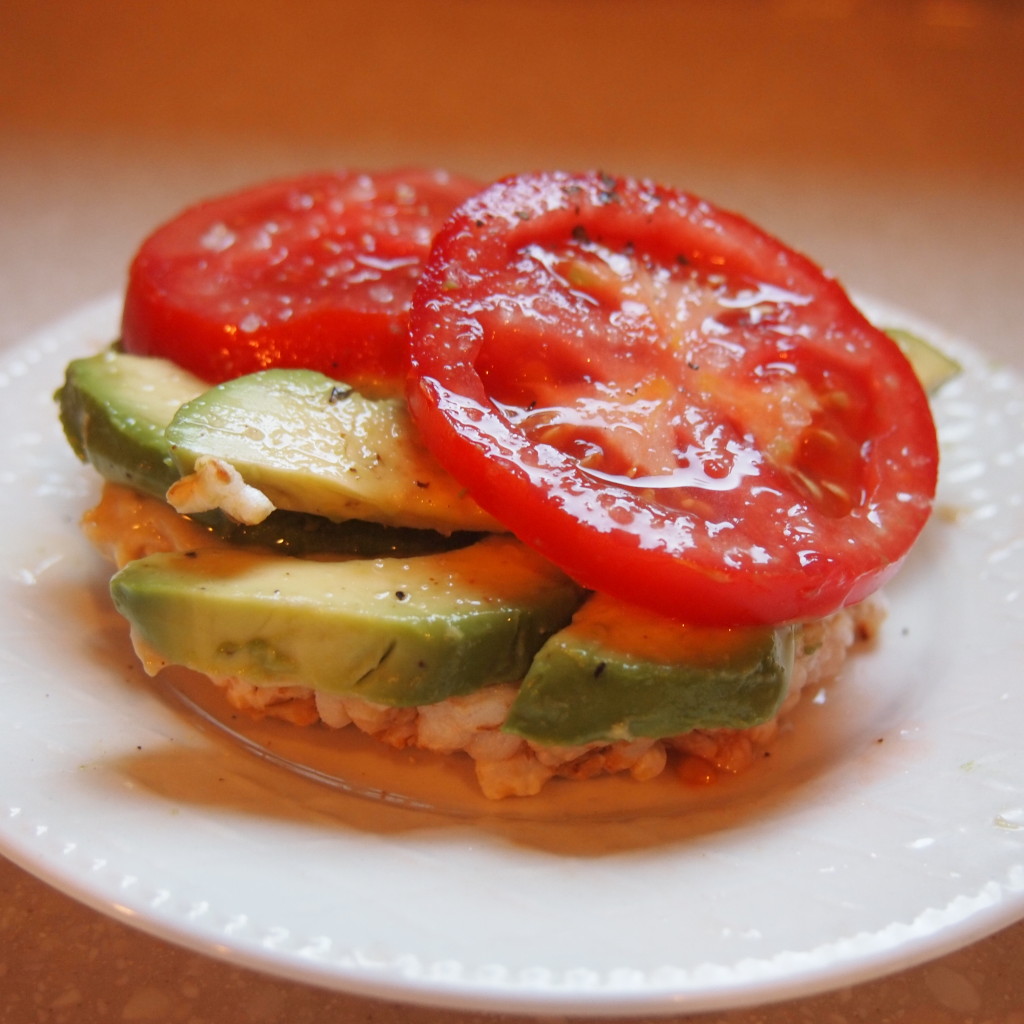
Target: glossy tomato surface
316, 271
670, 404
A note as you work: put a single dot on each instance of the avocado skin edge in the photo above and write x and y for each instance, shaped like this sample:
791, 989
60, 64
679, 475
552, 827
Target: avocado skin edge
302, 534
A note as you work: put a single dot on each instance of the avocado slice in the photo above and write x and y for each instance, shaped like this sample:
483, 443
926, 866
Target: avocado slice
932, 366
114, 408
397, 631
312, 444
620, 673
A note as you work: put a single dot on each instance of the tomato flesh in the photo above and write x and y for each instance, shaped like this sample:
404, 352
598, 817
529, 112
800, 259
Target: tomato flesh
316, 271
667, 402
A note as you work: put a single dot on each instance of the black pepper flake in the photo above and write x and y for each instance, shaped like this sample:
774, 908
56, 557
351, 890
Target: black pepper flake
422, 483
338, 392
579, 234
599, 669
401, 595
610, 193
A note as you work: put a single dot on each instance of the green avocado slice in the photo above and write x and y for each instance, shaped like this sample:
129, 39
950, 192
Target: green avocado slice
399, 631
312, 444
114, 408
931, 365
619, 673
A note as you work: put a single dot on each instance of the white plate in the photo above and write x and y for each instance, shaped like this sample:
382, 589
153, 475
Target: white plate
886, 829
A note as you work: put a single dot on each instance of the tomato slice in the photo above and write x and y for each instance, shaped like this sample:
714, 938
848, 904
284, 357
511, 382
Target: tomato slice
667, 402
316, 271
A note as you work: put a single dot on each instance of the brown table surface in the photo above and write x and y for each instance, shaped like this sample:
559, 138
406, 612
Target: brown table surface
885, 138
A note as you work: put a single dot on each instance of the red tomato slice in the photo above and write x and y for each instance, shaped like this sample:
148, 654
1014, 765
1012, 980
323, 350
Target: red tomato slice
667, 402
316, 272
